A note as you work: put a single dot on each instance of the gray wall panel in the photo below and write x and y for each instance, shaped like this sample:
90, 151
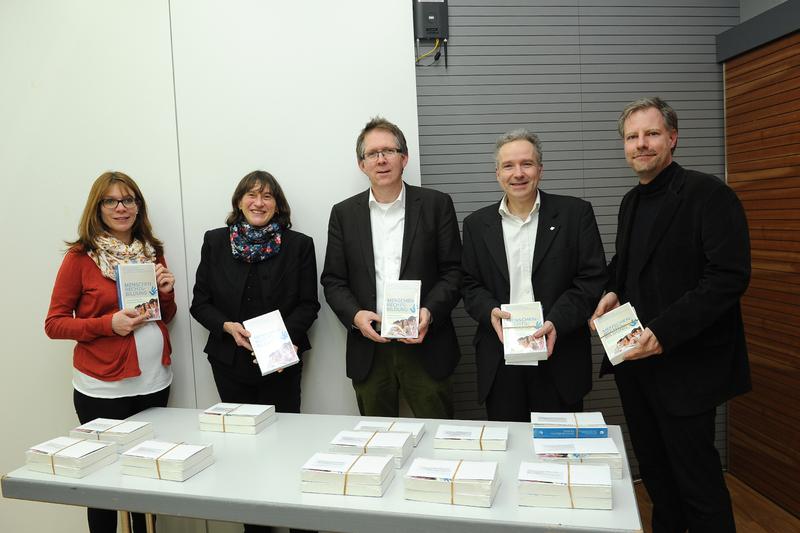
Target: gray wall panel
565, 69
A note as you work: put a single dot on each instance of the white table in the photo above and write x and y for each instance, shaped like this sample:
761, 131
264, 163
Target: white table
255, 479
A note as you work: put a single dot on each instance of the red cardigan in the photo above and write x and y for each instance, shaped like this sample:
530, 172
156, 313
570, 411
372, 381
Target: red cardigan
81, 308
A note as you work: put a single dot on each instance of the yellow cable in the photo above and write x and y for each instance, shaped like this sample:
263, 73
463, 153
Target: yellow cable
432, 50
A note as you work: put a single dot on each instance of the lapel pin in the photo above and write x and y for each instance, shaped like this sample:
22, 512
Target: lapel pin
552, 228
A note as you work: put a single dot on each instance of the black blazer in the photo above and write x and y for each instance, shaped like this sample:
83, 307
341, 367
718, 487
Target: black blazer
569, 274
431, 253
696, 270
288, 283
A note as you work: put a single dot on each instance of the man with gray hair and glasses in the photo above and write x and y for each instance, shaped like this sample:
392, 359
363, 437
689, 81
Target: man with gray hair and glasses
395, 231
683, 262
532, 246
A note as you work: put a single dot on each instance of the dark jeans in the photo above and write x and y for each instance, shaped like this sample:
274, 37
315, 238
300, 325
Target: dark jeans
517, 391
395, 367
89, 408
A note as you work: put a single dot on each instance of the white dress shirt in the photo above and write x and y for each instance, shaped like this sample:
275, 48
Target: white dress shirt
519, 237
387, 221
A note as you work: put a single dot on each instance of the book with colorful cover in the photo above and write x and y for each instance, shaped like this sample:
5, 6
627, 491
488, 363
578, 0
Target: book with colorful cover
400, 309
619, 330
526, 319
137, 289
271, 343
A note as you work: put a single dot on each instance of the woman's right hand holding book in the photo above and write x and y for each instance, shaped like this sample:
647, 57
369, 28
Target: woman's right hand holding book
126, 321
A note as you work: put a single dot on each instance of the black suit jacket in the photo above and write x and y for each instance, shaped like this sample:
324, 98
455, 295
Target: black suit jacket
568, 278
288, 284
431, 253
696, 270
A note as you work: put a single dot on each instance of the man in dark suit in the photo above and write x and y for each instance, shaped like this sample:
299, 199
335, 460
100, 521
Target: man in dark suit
683, 261
394, 231
532, 246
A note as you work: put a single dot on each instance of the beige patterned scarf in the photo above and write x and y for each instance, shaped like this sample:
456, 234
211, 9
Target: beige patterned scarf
110, 252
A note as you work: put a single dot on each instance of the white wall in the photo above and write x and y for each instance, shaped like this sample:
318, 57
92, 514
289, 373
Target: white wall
88, 86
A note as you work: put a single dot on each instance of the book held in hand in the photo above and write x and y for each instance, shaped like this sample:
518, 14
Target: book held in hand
137, 289
456, 482
67, 456
171, 461
400, 309
520, 347
346, 474
271, 343
237, 418
618, 330
564, 485
569, 425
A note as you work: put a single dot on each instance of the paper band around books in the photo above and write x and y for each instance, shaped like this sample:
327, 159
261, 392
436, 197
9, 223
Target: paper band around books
480, 438
369, 440
453, 482
158, 466
569, 486
227, 413
52, 455
109, 428
347, 473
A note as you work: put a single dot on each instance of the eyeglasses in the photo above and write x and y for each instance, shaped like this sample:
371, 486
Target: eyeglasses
110, 204
388, 153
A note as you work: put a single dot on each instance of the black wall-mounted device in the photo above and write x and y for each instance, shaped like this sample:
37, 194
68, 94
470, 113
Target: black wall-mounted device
430, 19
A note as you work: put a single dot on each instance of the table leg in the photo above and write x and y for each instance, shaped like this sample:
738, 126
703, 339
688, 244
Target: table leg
125, 521
150, 523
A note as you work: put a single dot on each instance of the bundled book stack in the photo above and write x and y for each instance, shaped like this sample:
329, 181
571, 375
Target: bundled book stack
580, 451
417, 429
619, 331
166, 460
125, 434
520, 347
352, 475
67, 456
569, 425
398, 445
237, 418
472, 483
560, 485
471, 437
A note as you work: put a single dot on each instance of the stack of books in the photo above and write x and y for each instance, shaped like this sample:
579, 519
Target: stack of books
166, 460
569, 425
619, 331
237, 418
471, 483
471, 437
125, 434
352, 475
417, 429
520, 347
398, 445
580, 451
67, 456
568, 486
